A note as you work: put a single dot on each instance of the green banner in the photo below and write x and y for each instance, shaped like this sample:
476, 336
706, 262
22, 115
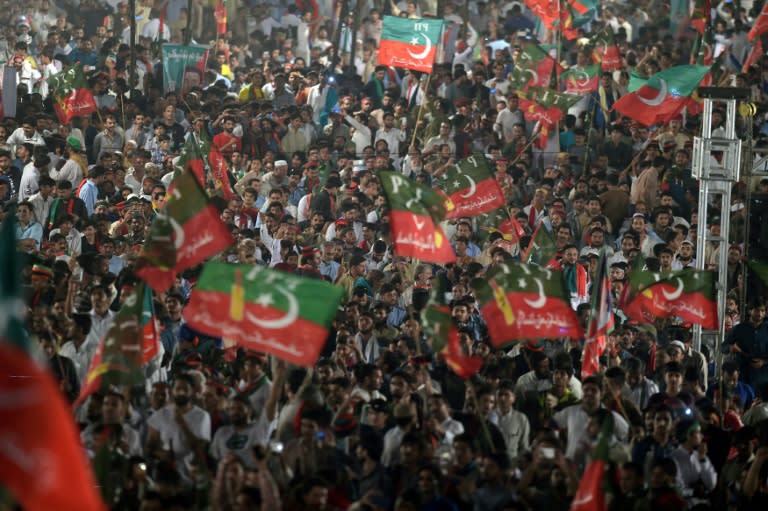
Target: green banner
183, 67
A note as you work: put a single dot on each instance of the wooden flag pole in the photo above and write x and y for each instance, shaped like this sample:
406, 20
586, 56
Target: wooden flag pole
421, 109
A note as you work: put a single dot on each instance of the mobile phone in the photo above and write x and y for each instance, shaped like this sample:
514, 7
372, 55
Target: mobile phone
548, 453
321, 435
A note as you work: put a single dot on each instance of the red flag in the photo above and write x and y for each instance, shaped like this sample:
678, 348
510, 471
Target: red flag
590, 495
755, 54
41, 459
220, 174
687, 294
220, 14
601, 320
702, 15
266, 310
130, 342
188, 231
471, 188
522, 301
409, 43
545, 10
149, 330
415, 213
663, 96
761, 24
463, 365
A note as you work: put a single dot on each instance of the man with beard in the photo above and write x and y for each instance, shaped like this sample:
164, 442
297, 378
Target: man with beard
180, 430
406, 419
365, 341
684, 257
226, 142
574, 419
382, 329
372, 475
111, 429
241, 435
255, 384
370, 379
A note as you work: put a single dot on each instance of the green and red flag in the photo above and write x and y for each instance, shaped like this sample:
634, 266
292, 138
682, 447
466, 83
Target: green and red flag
571, 20
545, 107
130, 342
601, 319
760, 26
663, 96
191, 158
415, 213
582, 80
701, 17
545, 10
500, 221
472, 188
187, 232
265, 310
42, 463
583, 7
220, 14
409, 43
534, 66
220, 175
541, 250
525, 302
71, 95
595, 481
605, 51
438, 325
687, 294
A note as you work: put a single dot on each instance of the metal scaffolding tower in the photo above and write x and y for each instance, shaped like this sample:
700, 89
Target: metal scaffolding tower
716, 164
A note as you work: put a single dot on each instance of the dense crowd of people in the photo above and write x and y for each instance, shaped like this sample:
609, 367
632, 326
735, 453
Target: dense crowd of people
305, 117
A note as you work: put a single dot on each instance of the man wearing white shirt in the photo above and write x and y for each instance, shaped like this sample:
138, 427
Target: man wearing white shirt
101, 315
30, 177
80, 346
392, 136
181, 428
573, 420
152, 29
440, 423
27, 134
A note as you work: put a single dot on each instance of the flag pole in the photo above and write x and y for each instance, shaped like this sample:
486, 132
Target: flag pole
421, 108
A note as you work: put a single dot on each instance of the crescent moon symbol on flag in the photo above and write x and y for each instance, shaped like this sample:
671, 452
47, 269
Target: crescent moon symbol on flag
178, 239
659, 99
541, 300
287, 319
674, 295
427, 48
472, 187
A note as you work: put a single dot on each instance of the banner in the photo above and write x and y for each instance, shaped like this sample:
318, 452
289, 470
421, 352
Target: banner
183, 67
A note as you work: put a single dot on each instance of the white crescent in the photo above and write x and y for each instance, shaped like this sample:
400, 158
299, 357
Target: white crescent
533, 73
427, 48
580, 77
286, 320
178, 231
472, 187
541, 300
676, 293
659, 99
